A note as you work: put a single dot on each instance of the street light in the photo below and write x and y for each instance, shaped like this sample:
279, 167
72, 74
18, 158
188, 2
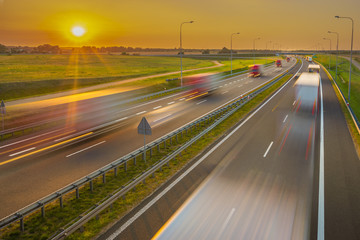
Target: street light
267, 47
352, 37
181, 52
337, 51
330, 50
254, 48
231, 49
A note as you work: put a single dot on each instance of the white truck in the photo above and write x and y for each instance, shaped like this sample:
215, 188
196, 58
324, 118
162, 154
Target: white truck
307, 91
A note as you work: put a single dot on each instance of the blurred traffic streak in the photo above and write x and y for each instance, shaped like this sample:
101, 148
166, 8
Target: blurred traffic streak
263, 187
165, 114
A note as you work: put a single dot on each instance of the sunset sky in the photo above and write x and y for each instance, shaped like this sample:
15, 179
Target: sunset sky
295, 24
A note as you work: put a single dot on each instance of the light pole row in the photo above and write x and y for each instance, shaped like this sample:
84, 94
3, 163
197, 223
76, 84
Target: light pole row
231, 49
181, 51
352, 37
337, 51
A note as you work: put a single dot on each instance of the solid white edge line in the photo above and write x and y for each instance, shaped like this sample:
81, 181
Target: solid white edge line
294, 102
267, 150
321, 211
10, 144
160, 195
201, 102
85, 149
157, 107
26, 150
285, 118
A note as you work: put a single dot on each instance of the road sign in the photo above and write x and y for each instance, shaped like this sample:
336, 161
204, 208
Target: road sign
2, 107
144, 127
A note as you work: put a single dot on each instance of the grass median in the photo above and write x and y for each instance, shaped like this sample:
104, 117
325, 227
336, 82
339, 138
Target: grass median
38, 227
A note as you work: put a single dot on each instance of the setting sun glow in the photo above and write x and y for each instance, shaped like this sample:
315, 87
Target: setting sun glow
78, 31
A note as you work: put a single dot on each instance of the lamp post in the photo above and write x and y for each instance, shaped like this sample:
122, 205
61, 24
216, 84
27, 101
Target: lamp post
267, 47
330, 50
181, 52
231, 49
352, 37
254, 48
337, 51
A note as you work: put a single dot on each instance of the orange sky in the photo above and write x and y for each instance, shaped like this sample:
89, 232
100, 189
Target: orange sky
295, 24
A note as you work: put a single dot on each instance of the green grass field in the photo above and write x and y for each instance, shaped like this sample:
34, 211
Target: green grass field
343, 79
24, 76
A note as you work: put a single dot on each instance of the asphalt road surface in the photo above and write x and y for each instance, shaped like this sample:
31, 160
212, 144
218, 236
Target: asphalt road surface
34, 167
262, 181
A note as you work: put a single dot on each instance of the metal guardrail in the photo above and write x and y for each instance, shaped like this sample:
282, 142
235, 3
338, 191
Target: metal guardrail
58, 195
352, 114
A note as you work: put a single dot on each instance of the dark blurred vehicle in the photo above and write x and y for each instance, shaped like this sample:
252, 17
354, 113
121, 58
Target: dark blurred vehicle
278, 63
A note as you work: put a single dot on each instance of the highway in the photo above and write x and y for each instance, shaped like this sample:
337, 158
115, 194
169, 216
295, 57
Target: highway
38, 165
261, 180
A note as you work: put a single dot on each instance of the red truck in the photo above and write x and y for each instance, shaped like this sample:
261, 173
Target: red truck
278, 63
288, 59
256, 70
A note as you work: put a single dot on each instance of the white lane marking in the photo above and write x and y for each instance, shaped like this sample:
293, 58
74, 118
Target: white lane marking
121, 119
201, 102
140, 113
171, 103
321, 211
221, 86
240, 85
26, 150
226, 84
10, 144
181, 99
85, 149
162, 118
226, 221
294, 102
224, 92
157, 107
161, 194
267, 150
285, 118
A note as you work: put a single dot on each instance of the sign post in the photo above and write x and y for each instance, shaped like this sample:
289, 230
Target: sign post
3, 112
145, 129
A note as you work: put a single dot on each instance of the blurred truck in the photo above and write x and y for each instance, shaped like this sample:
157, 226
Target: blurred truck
256, 70
200, 84
278, 63
307, 91
287, 59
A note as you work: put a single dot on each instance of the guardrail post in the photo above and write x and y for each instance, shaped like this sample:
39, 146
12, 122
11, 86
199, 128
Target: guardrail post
115, 171
104, 178
22, 226
61, 201
135, 160
158, 147
177, 137
151, 152
91, 185
125, 166
165, 144
77, 193
170, 141
43, 211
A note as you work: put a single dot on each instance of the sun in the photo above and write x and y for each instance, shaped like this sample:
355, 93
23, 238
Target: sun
78, 31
